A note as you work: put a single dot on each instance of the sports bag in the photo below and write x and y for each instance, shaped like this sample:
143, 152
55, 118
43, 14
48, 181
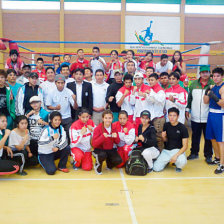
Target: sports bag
136, 164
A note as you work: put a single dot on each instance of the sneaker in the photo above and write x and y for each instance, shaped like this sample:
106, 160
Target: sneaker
98, 169
216, 161
75, 167
107, 168
64, 170
22, 173
192, 157
71, 160
208, 160
178, 170
219, 169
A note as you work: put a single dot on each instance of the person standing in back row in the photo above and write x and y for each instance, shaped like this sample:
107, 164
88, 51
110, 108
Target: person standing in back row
214, 95
111, 93
199, 114
97, 62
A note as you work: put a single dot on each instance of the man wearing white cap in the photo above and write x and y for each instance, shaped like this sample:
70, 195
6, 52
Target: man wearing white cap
139, 98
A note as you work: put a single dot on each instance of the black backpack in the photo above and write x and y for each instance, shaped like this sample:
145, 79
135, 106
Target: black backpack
136, 164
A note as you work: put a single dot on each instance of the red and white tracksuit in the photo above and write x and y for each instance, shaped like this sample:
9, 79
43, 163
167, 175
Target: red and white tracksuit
79, 64
144, 64
157, 98
41, 74
126, 140
113, 66
180, 95
141, 103
126, 105
80, 144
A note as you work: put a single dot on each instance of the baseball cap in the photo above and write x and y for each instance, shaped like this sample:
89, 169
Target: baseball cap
145, 113
35, 99
205, 68
59, 77
117, 71
33, 74
138, 75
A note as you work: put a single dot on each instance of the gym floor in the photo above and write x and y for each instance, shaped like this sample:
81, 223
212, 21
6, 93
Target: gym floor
193, 196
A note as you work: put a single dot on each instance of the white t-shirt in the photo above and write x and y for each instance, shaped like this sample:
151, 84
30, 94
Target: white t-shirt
79, 94
125, 65
68, 80
109, 130
35, 128
16, 139
99, 94
1, 150
63, 98
96, 64
47, 87
160, 69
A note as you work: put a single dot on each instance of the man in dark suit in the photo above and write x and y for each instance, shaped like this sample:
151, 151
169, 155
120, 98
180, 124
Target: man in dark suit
83, 92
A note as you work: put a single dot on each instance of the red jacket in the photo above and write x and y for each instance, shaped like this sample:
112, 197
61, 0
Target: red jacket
19, 63
100, 142
41, 74
125, 138
79, 64
144, 64
77, 139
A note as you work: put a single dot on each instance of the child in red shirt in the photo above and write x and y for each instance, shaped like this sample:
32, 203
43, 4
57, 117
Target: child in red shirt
146, 62
81, 62
81, 132
126, 132
104, 137
40, 70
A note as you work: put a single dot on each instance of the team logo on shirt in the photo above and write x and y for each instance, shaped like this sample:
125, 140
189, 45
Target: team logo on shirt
147, 37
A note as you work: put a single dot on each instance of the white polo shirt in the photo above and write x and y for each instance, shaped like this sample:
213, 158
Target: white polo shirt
47, 87
68, 80
165, 68
64, 98
96, 64
125, 65
99, 94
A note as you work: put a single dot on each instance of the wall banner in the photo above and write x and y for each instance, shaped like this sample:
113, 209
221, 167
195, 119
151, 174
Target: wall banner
152, 29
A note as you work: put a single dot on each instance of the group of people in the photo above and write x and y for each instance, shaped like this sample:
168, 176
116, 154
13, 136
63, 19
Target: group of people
90, 108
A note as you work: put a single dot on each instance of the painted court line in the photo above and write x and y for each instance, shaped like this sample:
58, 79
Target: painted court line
61, 179
128, 197
110, 179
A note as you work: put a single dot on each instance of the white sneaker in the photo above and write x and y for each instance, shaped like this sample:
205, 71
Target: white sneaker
98, 169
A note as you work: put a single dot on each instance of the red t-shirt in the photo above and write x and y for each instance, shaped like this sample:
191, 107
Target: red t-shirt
79, 64
41, 74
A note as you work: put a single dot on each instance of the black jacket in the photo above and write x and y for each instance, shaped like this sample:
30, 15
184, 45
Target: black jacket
112, 91
149, 135
87, 95
29, 92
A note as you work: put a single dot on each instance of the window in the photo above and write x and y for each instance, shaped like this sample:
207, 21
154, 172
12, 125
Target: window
97, 5
205, 6
31, 5
170, 6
